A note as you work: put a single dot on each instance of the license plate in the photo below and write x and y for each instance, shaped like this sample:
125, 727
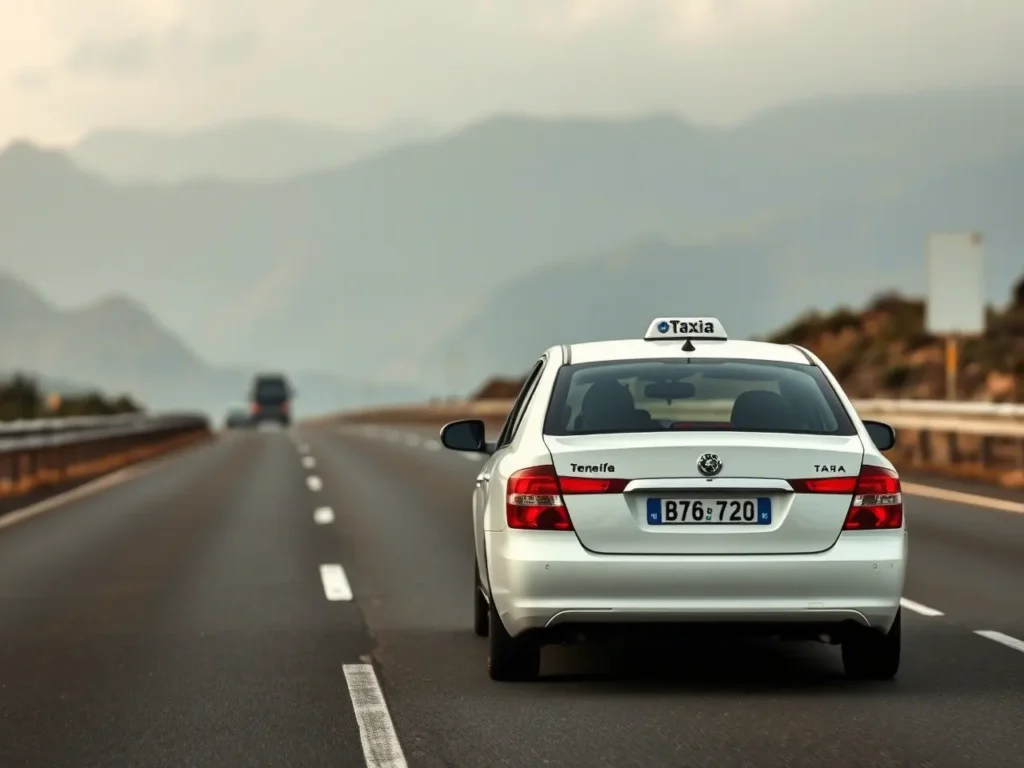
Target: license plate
749, 511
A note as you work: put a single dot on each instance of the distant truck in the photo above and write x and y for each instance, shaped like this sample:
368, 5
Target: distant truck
270, 399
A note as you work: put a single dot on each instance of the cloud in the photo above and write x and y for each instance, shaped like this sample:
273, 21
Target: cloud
141, 54
129, 56
30, 79
360, 62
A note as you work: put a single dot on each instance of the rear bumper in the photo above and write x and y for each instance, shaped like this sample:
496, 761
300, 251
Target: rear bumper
274, 416
542, 580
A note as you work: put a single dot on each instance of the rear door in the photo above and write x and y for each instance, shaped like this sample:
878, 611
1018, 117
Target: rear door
481, 520
691, 479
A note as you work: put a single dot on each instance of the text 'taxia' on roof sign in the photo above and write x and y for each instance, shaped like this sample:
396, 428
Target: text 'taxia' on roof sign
686, 328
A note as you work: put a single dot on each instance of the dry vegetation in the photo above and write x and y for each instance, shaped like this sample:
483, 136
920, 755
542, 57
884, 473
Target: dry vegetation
885, 352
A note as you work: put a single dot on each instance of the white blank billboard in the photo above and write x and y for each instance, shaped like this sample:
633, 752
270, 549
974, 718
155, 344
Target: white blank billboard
956, 284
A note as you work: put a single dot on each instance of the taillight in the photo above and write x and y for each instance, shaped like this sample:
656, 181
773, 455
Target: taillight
825, 485
535, 500
877, 497
254, 408
877, 502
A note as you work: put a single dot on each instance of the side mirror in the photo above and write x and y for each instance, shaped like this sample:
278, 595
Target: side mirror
882, 435
465, 435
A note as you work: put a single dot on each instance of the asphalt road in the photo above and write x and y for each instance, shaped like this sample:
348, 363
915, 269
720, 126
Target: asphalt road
305, 600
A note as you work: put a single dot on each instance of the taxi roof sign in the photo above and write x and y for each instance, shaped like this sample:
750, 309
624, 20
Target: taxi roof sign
705, 328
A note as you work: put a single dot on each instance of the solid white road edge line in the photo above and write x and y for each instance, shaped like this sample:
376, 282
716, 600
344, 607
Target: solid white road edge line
308, 462
973, 499
999, 637
381, 747
335, 583
82, 491
924, 610
314, 483
323, 516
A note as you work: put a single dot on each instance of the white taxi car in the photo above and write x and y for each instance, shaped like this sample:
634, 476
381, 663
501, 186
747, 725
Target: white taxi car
686, 480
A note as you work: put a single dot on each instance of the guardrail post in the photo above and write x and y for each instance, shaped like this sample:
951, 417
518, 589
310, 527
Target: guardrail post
6, 472
924, 445
987, 453
952, 448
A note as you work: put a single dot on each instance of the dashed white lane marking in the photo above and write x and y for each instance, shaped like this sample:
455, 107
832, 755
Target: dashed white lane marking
335, 584
303, 448
924, 610
314, 483
432, 445
999, 637
412, 440
308, 462
974, 499
473, 456
381, 747
323, 516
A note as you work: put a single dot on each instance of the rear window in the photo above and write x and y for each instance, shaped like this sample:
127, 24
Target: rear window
271, 391
695, 395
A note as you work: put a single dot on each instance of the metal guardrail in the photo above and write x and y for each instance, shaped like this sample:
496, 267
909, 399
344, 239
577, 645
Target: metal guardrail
973, 440
987, 421
939, 411
49, 452
951, 408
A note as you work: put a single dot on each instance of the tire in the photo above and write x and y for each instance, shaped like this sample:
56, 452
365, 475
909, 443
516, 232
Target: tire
870, 655
481, 609
511, 659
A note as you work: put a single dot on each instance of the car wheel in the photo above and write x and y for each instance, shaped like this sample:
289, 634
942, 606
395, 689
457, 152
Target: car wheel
481, 619
511, 659
870, 655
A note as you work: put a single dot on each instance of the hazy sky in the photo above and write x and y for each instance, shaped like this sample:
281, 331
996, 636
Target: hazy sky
67, 66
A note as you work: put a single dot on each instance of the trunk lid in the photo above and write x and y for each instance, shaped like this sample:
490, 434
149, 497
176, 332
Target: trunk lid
664, 508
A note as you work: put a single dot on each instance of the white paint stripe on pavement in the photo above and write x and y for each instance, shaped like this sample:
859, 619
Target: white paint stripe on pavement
314, 483
432, 445
335, 583
81, 492
412, 440
999, 637
308, 462
924, 610
381, 747
323, 516
973, 499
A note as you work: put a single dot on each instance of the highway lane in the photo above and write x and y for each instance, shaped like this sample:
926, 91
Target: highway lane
178, 620
185, 618
402, 527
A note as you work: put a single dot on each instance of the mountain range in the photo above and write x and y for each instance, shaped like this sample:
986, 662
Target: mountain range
243, 150
117, 346
434, 263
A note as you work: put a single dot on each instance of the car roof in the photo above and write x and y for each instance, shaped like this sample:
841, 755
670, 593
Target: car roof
641, 349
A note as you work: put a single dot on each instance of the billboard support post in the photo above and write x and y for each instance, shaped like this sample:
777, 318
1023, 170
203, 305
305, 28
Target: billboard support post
952, 365
956, 295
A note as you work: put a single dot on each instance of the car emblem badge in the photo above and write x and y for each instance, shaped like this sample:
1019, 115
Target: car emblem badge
709, 464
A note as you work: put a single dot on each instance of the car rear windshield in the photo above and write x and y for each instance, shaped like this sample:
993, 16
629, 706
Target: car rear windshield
271, 392
695, 395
